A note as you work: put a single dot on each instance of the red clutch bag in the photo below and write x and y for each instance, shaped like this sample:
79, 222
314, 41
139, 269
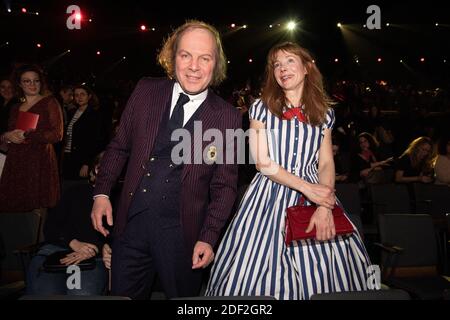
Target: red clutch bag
298, 217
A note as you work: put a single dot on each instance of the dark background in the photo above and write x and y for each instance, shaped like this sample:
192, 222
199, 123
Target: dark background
115, 32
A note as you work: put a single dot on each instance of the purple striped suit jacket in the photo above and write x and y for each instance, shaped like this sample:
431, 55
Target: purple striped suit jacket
208, 190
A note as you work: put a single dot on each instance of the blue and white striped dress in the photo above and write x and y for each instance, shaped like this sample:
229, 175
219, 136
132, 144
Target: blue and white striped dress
252, 259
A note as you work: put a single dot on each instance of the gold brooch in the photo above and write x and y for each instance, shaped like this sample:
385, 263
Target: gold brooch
212, 153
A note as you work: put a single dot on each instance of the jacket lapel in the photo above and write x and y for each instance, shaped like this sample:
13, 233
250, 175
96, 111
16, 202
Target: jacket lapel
155, 113
208, 117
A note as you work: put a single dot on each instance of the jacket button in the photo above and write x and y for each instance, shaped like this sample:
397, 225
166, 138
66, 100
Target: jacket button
164, 197
143, 166
130, 194
148, 174
167, 180
171, 165
144, 190
152, 159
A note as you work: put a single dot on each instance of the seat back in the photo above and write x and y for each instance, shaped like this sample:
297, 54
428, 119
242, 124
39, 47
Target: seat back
391, 294
390, 198
415, 234
72, 297
432, 199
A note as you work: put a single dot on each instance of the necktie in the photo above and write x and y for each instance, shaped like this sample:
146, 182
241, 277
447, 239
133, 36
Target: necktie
294, 112
177, 118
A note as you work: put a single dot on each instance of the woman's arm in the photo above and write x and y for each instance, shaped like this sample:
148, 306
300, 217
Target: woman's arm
317, 193
322, 218
326, 162
400, 178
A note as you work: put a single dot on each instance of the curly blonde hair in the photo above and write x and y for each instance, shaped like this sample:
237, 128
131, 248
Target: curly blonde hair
166, 57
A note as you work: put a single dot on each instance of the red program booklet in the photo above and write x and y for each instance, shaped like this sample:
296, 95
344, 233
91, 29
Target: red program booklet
27, 121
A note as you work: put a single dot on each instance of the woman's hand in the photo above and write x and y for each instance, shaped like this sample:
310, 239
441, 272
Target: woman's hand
425, 179
15, 136
84, 171
83, 247
320, 194
82, 251
75, 258
323, 221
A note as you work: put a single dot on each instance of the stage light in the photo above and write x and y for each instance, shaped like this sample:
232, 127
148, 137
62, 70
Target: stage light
98, 53
445, 61
143, 27
401, 61
9, 10
379, 59
422, 59
68, 51
24, 10
270, 26
388, 24
124, 58
336, 60
290, 25
339, 25
364, 26
90, 20
314, 61
37, 13
250, 60
244, 26
437, 24
78, 16
39, 45
233, 25
228, 61
153, 29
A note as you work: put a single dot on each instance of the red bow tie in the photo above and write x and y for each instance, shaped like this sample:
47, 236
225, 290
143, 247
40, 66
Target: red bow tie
294, 112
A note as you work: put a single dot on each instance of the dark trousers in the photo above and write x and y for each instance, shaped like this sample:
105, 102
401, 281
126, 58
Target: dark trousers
153, 245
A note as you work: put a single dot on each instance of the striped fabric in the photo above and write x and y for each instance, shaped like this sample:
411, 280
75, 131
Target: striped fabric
252, 258
76, 116
208, 191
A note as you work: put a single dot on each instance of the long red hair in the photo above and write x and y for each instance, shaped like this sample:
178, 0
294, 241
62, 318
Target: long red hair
315, 99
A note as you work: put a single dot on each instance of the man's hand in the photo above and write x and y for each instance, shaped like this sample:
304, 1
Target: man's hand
102, 207
203, 255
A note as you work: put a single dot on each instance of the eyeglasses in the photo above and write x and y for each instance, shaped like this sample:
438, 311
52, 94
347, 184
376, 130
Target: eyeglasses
28, 82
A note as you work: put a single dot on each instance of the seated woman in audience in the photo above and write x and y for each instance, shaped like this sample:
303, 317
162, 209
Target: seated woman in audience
82, 135
69, 227
366, 167
442, 165
416, 163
